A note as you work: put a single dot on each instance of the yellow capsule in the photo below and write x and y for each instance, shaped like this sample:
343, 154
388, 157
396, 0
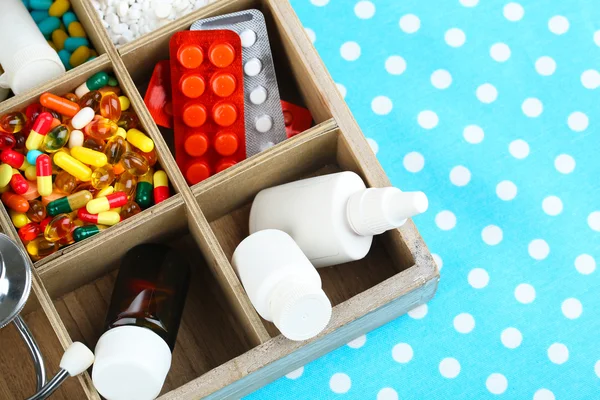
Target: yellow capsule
105, 192
79, 56
18, 219
139, 140
76, 29
58, 38
6, 173
125, 103
89, 156
121, 132
59, 8
30, 173
73, 166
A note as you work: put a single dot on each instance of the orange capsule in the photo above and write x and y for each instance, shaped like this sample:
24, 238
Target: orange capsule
110, 107
91, 99
102, 129
59, 104
15, 202
151, 156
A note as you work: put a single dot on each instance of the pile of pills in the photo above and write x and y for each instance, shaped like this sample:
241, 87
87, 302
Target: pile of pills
64, 32
126, 20
74, 165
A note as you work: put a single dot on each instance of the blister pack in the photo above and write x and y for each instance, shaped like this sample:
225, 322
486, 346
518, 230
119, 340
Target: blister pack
158, 95
297, 119
263, 114
208, 102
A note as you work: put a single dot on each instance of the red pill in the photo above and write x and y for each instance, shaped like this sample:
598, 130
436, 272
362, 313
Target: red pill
12, 158
18, 184
43, 169
7, 141
45, 223
29, 232
59, 104
15, 202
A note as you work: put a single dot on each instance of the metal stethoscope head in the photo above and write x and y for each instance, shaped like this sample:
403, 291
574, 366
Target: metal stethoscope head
15, 286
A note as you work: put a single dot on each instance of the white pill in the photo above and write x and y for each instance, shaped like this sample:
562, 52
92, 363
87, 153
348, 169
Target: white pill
83, 117
248, 38
258, 95
253, 67
267, 145
162, 10
76, 139
122, 9
263, 123
82, 90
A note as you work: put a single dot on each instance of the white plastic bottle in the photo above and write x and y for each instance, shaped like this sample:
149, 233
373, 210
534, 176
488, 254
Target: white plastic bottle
26, 57
333, 217
284, 287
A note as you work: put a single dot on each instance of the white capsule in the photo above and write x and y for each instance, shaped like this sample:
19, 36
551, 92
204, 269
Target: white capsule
83, 117
263, 123
76, 139
258, 95
122, 9
82, 90
248, 37
253, 67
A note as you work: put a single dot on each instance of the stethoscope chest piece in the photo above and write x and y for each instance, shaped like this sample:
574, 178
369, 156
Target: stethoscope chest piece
15, 280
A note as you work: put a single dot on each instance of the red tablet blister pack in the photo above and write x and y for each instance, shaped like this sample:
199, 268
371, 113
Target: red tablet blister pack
297, 119
158, 95
208, 102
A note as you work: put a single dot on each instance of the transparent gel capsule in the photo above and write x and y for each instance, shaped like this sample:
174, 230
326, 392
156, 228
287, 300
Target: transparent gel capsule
102, 129
58, 228
7, 141
56, 139
94, 144
103, 177
110, 107
114, 149
65, 182
37, 211
127, 183
129, 210
151, 156
13, 122
39, 248
128, 120
134, 163
91, 99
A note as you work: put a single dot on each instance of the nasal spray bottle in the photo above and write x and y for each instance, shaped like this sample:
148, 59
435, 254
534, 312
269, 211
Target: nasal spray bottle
26, 57
333, 217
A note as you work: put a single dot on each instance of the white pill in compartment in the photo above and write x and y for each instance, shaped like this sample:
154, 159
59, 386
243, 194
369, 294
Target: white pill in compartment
264, 123
248, 37
83, 117
258, 95
253, 67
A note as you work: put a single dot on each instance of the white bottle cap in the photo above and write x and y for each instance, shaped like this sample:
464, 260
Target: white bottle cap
131, 364
31, 67
376, 210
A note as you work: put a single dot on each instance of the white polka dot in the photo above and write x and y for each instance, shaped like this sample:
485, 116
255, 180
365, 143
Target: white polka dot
532, 107
469, 3
511, 338
590, 79
487, 93
578, 121
543, 394
311, 34
364, 9
597, 368
478, 278
350, 51
552, 205
395, 65
496, 383
455, 37
428, 119
519, 149
402, 353
525, 293
414, 162
558, 25
441, 79
382, 105
418, 312
464, 323
593, 221
538, 249
558, 353
295, 374
373, 144
358, 342
473, 134
438, 260
410, 23
319, 3
445, 220
545, 66
342, 89
491, 235
500, 52
340, 383
506, 190
387, 394
564, 163
597, 38
460, 176
585, 264
571, 308
513, 12
449, 368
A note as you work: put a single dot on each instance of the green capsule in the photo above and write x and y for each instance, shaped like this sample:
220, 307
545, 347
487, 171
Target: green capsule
69, 203
56, 139
144, 194
84, 232
112, 81
97, 81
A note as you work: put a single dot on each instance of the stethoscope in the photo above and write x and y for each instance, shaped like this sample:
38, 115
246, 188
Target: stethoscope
15, 285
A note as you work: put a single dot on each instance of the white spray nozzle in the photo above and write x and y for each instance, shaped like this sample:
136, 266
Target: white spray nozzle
77, 359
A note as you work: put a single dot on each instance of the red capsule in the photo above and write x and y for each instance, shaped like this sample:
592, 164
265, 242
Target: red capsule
29, 232
12, 158
42, 123
18, 183
45, 223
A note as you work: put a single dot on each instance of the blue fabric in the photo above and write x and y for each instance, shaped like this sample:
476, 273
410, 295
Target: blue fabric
505, 142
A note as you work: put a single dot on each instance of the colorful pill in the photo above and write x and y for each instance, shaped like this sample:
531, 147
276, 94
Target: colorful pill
32, 155
144, 190
15, 202
110, 107
65, 58
56, 139
134, 163
30, 173
7, 141
60, 226
68, 18
76, 29
125, 103
18, 184
161, 187
59, 104
73, 43
40, 128
95, 82
40, 248
105, 191
129, 210
13, 122
6, 173
76, 139
84, 232
224, 114
83, 117
48, 26
129, 120
65, 182
40, 4
126, 184
194, 115
102, 204
150, 156
139, 140
14, 159
109, 218
58, 38
226, 143
59, 8
37, 211
103, 176
29, 232
190, 56
69, 203
223, 84
221, 55
192, 85
43, 166
18, 219
72, 166
89, 156
39, 15
79, 56
102, 129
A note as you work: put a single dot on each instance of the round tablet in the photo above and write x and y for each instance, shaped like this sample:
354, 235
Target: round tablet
223, 84
224, 164
253, 67
224, 114
190, 56
194, 115
197, 172
263, 123
226, 143
221, 54
196, 145
162, 10
248, 38
258, 95
288, 118
192, 86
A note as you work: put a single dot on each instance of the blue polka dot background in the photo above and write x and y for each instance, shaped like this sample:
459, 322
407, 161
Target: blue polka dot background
491, 108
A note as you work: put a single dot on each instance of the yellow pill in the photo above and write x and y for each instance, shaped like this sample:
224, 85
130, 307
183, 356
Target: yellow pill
89, 156
31, 173
6, 174
73, 166
139, 140
5, 189
79, 56
125, 103
121, 132
18, 219
59, 8
105, 192
52, 45
58, 38
76, 29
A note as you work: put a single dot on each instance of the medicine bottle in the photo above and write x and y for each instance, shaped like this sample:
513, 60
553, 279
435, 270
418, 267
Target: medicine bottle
283, 286
333, 217
133, 356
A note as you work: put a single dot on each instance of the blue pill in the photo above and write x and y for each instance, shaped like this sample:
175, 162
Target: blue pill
69, 17
32, 155
73, 43
26, 3
65, 56
49, 25
40, 4
38, 15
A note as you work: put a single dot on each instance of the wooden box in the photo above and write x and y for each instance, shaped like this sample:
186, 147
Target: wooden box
224, 349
